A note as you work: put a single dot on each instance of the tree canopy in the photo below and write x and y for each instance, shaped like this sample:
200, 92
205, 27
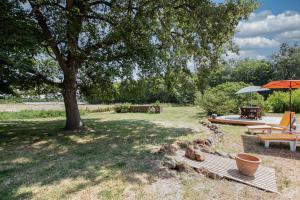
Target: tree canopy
119, 38
286, 62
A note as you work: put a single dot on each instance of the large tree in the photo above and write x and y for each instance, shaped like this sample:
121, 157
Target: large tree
19, 45
286, 62
125, 36
256, 72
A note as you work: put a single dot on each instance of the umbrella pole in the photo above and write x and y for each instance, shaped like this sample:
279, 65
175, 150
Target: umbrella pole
251, 99
290, 106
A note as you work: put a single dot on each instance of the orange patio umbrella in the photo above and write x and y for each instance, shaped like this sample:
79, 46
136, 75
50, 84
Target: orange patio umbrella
287, 84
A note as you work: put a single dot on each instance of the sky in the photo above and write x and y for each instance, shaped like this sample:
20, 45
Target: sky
274, 22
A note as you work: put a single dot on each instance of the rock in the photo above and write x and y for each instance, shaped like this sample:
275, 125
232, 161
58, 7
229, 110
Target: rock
193, 154
199, 156
204, 123
207, 173
190, 152
220, 133
202, 171
213, 175
205, 150
183, 167
199, 141
212, 129
171, 164
215, 125
198, 170
208, 142
168, 148
183, 144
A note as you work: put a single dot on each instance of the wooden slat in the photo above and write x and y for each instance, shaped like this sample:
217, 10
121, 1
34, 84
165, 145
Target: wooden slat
226, 168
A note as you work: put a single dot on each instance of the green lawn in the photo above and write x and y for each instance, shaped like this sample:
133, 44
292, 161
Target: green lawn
113, 159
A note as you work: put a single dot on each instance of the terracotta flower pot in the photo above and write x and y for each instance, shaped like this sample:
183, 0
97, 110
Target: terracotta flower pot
247, 164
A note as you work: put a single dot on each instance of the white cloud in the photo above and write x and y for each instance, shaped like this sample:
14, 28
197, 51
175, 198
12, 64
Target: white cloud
288, 35
261, 35
244, 54
258, 41
265, 22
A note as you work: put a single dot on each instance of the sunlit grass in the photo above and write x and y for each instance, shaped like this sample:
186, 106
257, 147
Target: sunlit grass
31, 114
113, 159
39, 160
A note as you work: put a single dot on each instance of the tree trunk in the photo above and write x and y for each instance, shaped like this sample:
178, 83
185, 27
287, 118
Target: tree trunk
73, 120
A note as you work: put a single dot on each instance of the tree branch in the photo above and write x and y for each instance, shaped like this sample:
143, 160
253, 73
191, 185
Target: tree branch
100, 2
97, 16
53, 4
98, 45
47, 34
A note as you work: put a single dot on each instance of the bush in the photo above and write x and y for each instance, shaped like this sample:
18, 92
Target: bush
185, 89
279, 101
122, 108
151, 110
157, 103
99, 109
223, 100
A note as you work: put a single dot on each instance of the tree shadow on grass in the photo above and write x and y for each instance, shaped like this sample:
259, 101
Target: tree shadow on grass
35, 152
251, 144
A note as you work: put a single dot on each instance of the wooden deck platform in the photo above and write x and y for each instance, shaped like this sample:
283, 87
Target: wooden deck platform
264, 178
236, 120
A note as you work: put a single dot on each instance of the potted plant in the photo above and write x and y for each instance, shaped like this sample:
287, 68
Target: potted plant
247, 164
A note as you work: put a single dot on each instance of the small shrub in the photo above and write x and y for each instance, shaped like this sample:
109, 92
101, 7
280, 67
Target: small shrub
223, 100
99, 109
122, 108
157, 103
279, 101
198, 99
151, 110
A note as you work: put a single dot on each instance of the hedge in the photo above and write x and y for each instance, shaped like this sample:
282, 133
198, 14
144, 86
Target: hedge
125, 108
279, 101
223, 100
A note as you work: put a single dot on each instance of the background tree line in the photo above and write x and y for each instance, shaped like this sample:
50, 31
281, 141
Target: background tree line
109, 41
176, 84
181, 85
126, 51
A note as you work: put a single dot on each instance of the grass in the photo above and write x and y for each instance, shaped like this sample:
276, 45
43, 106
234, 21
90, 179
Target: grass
40, 161
32, 114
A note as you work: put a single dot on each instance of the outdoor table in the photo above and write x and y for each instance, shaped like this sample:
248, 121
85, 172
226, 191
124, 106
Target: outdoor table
251, 112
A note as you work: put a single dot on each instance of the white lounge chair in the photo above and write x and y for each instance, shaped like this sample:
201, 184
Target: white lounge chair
283, 126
